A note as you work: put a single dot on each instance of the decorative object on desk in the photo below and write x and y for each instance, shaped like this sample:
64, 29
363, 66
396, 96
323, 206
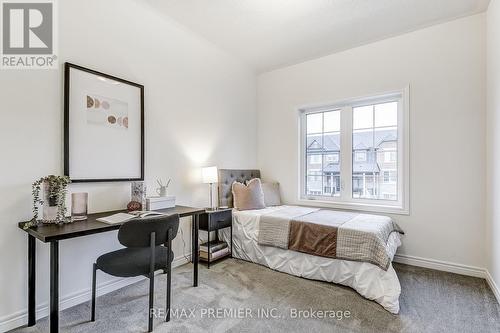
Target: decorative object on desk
162, 189
79, 206
138, 192
134, 205
155, 203
104, 122
54, 189
209, 176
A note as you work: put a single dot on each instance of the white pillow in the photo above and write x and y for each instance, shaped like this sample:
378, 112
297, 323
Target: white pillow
271, 194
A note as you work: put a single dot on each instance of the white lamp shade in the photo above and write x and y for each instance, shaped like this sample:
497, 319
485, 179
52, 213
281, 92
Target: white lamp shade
209, 175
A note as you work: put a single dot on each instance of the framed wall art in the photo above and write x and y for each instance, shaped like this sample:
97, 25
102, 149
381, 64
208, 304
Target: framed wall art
103, 127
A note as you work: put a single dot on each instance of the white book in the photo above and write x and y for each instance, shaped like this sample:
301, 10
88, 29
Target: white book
144, 213
124, 217
154, 203
117, 218
215, 255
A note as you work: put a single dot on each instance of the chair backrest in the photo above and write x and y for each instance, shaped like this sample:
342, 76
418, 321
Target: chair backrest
137, 232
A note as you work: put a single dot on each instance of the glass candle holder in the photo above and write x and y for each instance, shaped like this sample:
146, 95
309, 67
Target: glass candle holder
79, 204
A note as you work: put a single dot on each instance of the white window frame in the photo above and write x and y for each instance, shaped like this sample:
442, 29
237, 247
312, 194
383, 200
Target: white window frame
346, 201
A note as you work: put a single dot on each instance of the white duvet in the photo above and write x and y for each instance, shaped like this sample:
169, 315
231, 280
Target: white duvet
367, 279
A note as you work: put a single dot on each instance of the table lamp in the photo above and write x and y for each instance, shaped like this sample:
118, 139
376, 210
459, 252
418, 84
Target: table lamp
209, 176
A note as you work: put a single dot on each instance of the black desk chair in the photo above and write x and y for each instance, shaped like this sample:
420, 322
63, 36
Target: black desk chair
143, 255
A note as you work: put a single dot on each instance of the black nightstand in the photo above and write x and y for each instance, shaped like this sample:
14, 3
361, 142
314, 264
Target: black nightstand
213, 220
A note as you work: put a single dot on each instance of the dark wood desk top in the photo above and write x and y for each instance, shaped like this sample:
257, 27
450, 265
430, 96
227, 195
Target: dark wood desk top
53, 232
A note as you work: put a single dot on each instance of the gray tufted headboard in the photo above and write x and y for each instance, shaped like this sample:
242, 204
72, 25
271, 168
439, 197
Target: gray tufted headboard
226, 179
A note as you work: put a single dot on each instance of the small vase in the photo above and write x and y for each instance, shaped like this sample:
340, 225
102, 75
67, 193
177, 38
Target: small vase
49, 205
79, 206
138, 193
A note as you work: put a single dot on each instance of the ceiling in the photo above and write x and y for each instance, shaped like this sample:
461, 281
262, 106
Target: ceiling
268, 34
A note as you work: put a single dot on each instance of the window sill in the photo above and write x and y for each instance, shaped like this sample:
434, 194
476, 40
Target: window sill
356, 206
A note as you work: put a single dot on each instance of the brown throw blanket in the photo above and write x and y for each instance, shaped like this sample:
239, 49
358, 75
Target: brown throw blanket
328, 233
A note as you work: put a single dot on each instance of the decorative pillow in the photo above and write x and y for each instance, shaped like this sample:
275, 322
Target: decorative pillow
248, 196
271, 194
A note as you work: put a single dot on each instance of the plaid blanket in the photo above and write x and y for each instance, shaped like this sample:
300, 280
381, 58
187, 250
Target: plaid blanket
328, 233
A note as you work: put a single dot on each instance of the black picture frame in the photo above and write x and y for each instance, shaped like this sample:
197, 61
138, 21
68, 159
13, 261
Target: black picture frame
67, 113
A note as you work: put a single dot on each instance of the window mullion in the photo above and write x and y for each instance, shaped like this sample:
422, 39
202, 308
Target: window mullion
322, 153
346, 153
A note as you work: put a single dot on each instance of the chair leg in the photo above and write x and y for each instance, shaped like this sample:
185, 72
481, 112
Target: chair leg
151, 280
169, 278
92, 316
151, 298
169, 288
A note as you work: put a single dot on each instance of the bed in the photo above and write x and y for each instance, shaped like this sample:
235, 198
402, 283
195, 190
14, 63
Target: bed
368, 279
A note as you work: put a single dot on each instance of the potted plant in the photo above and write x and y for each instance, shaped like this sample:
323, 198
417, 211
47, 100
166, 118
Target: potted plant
53, 191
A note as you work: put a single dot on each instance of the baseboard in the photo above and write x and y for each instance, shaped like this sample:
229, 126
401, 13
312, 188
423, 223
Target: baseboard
493, 285
20, 318
441, 265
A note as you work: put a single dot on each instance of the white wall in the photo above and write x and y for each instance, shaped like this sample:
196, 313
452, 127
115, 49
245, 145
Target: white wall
445, 67
200, 110
493, 140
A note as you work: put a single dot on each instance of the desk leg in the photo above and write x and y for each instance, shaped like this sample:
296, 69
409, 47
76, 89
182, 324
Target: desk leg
196, 249
208, 244
193, 225
31, 280
54, 287
231, 239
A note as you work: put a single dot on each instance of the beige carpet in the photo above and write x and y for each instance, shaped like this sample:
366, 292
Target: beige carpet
431, 301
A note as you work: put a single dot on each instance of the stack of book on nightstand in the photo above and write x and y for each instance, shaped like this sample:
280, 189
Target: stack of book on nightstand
218, 249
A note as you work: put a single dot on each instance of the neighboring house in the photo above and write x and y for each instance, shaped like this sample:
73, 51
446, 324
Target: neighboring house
374, 164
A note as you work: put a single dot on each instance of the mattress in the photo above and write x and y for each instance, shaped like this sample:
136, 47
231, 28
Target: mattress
368, 280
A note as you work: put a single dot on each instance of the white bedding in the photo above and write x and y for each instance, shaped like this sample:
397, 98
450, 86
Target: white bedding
367, 279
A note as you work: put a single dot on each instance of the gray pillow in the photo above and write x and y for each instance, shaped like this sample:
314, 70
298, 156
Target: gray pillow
271, 194
248, 196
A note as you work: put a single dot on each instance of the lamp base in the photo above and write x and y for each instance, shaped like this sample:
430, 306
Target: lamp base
212, 206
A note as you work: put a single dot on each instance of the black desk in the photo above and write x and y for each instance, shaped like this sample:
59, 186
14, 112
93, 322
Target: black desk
50, 233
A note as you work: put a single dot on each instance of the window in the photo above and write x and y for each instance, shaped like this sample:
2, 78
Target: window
360, 156
332, 158
315, 159
390, 176
390, 156
375, 127
355, 153
386, 176
322, 151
